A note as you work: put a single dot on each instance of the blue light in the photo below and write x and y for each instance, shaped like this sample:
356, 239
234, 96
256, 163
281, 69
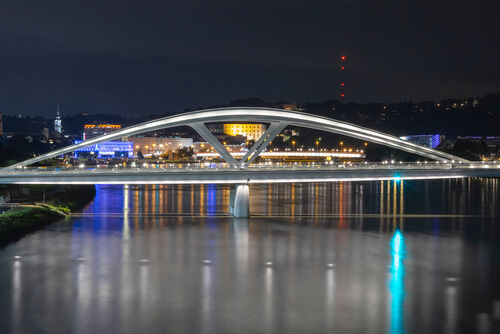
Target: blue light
108, 149
396, 177
396, 283
396, 243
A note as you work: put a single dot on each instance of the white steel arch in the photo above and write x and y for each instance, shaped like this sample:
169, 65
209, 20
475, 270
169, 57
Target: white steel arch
278, 120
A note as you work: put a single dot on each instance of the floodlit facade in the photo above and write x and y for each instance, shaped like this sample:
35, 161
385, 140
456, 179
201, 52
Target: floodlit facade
431, 141
58, 122
96, 130
251, 131
109, 149
158, 145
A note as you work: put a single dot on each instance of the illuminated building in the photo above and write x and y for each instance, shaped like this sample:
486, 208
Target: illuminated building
431, 141
204, 147
238, 151
158, 145
251, 131
290, 106
58, 122
109, 149
96, 130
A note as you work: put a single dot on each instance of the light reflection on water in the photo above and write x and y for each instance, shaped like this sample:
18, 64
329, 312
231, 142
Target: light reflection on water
378, 257
396, 283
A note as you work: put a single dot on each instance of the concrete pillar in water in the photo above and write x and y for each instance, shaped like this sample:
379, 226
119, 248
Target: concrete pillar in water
240, 207
232, 195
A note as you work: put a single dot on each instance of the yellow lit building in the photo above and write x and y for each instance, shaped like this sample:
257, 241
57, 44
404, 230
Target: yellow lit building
251, 131
96, 130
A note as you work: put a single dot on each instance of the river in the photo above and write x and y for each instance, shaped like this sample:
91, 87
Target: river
351, 257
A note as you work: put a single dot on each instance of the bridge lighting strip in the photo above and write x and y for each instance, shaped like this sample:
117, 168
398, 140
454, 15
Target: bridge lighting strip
340, 179
287, 154
238, 181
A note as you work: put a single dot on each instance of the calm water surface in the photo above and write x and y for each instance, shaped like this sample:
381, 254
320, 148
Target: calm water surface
373, 257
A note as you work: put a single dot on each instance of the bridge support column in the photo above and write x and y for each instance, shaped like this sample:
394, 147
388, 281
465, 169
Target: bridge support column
232, 195
239, 201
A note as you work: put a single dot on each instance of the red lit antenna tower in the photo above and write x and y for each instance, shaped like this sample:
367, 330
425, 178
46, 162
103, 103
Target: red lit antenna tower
342, 77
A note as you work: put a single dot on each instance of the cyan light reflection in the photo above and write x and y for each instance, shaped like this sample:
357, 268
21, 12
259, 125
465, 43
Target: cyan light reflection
396, 283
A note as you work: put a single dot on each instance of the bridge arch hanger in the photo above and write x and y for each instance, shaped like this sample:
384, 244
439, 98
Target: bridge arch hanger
276, 118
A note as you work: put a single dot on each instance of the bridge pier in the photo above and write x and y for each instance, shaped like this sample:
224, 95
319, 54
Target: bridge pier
239, 201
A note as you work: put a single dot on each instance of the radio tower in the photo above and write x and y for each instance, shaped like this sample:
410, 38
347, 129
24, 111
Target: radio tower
342, 77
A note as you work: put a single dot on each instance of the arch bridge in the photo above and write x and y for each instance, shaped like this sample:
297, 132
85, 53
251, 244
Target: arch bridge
241, 172
277, 120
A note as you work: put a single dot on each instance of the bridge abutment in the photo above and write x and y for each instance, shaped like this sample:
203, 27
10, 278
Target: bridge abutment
239, 201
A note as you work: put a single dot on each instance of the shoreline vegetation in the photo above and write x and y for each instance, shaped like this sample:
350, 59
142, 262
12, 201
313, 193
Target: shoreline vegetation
33, 214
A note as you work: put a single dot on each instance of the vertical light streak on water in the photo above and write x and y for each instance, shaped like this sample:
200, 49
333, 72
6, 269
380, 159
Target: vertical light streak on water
202, 199
179, 198
401, 205
388, 210
206, 299
381, 205
125, 279
330, 300
396, 284
269, 199
394, 202
268, 300
316, 199
191, 201
341, 205
450, 301
16, 295
144, 300
211, 199
157, 199
126, 205
242, 250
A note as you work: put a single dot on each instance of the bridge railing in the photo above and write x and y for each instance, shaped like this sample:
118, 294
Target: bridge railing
204, 166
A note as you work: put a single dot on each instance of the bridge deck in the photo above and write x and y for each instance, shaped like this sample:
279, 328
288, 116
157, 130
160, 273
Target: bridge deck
231, 175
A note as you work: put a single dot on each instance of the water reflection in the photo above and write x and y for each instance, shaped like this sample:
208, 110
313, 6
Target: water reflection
396, 283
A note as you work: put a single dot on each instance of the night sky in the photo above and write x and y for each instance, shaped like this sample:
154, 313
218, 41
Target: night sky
142, 57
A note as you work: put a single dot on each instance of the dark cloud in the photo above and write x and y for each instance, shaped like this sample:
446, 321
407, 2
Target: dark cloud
152, 56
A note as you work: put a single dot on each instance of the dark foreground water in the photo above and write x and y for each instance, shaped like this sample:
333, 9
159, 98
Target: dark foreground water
418, 257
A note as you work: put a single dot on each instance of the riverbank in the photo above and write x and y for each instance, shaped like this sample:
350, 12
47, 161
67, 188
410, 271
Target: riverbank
32, 215
16, 223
